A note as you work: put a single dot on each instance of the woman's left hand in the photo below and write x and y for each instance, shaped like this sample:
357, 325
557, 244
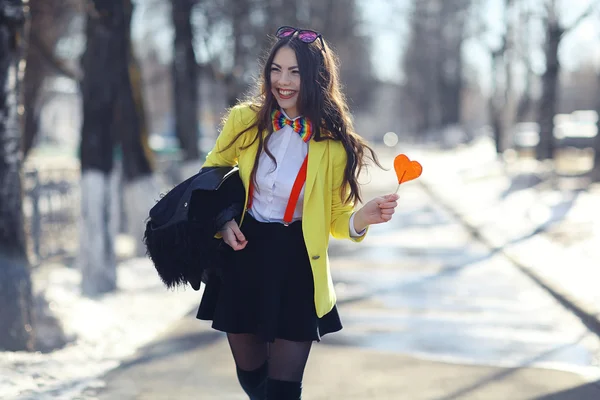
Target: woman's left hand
377, 211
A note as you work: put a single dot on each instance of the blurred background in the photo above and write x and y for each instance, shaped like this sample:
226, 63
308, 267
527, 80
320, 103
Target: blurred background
108, 103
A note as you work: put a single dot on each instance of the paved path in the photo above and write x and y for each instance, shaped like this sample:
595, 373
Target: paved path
428, 313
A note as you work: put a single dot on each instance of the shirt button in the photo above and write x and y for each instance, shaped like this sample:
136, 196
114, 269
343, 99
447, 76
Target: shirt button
316, 257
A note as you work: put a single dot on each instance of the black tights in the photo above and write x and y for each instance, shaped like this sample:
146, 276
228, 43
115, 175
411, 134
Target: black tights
282, 361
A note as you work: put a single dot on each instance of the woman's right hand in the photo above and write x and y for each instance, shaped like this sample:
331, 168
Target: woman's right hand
233, 236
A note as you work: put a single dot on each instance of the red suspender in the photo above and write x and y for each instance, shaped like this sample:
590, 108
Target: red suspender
296, 189
294, 195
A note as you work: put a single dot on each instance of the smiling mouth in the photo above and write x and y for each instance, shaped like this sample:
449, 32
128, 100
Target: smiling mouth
286, 94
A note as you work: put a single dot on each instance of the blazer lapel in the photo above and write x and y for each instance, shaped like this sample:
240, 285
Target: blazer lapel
246, 162
316, 150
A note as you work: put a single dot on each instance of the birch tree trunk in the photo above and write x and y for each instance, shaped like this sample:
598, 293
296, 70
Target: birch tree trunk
16, 321
99, 88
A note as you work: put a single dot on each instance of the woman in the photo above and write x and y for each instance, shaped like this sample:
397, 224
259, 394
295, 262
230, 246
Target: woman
299, 159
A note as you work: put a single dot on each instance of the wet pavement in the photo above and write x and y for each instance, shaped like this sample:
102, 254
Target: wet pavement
428, 313
422, 285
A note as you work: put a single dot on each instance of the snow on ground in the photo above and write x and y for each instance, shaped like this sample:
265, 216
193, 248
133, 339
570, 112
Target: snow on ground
549, 222
107, 330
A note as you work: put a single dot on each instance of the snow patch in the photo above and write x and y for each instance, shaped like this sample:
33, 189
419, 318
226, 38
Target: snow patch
106, 330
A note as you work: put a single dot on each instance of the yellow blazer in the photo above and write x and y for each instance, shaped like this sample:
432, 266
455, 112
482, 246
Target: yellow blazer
324, 211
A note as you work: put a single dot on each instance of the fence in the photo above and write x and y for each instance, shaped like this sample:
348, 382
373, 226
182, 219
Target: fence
51, 205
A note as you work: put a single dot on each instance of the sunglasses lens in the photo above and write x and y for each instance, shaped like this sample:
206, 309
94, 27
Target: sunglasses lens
308, 36
284, 32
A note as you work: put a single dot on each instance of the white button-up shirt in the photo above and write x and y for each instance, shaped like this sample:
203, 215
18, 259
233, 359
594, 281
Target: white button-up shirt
270, 198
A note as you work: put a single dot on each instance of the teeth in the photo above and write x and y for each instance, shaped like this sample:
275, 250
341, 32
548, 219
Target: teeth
286, 92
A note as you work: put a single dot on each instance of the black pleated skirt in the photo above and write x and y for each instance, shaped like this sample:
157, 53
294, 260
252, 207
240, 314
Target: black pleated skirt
267, 288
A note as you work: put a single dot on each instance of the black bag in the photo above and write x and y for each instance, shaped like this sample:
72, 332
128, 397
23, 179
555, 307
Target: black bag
180, 230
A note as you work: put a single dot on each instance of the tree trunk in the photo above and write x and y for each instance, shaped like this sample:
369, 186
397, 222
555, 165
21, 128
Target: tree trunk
494, 107
548, 101
185, 79
525, 103
35, 75
595, 174
450, 36
450, 87
233, 80
139, 190
16, 328
509, 109
287, 14
32, 83
130, 127
100, 89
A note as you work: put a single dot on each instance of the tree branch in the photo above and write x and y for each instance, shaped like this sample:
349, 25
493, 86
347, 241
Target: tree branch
583, 16
55, 62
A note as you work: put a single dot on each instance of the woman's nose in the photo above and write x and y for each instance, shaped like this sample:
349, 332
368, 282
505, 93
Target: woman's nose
284, 79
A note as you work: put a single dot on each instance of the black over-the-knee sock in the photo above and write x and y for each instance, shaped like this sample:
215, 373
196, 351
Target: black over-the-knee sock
283, 390
253, 382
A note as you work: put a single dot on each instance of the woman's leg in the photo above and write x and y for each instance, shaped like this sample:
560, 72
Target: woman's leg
287, 361
250, 356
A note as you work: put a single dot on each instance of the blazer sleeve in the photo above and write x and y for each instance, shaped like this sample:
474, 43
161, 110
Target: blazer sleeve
220, 155
340, 211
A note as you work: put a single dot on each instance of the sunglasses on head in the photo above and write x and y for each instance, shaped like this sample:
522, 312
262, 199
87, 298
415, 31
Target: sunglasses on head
305, 35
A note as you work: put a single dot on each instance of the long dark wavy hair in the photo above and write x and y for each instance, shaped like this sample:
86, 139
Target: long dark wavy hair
320, 100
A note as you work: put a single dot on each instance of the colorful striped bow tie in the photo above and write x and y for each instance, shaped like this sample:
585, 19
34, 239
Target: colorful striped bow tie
301, 126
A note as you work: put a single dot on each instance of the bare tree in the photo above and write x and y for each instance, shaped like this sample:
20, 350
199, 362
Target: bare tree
420, 65
49, 22
433, 63
288, 13
337, 21
232, 59
501, 103
595, 174
240, 29
16, 329
99, 89
185, 79
525, 105
131, 133
555, 32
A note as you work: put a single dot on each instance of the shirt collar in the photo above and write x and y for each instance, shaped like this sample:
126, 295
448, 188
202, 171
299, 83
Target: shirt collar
293, 119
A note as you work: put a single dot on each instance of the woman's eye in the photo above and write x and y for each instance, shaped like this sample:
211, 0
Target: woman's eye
274, 69
295, 72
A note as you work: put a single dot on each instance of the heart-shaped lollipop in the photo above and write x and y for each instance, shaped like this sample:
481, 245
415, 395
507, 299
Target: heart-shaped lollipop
406, 170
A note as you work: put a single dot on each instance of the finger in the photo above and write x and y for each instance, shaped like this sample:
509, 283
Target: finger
229, 238
379, 201
239, 236
230, 244
392, 197
389, 204
235, 245
388, 211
